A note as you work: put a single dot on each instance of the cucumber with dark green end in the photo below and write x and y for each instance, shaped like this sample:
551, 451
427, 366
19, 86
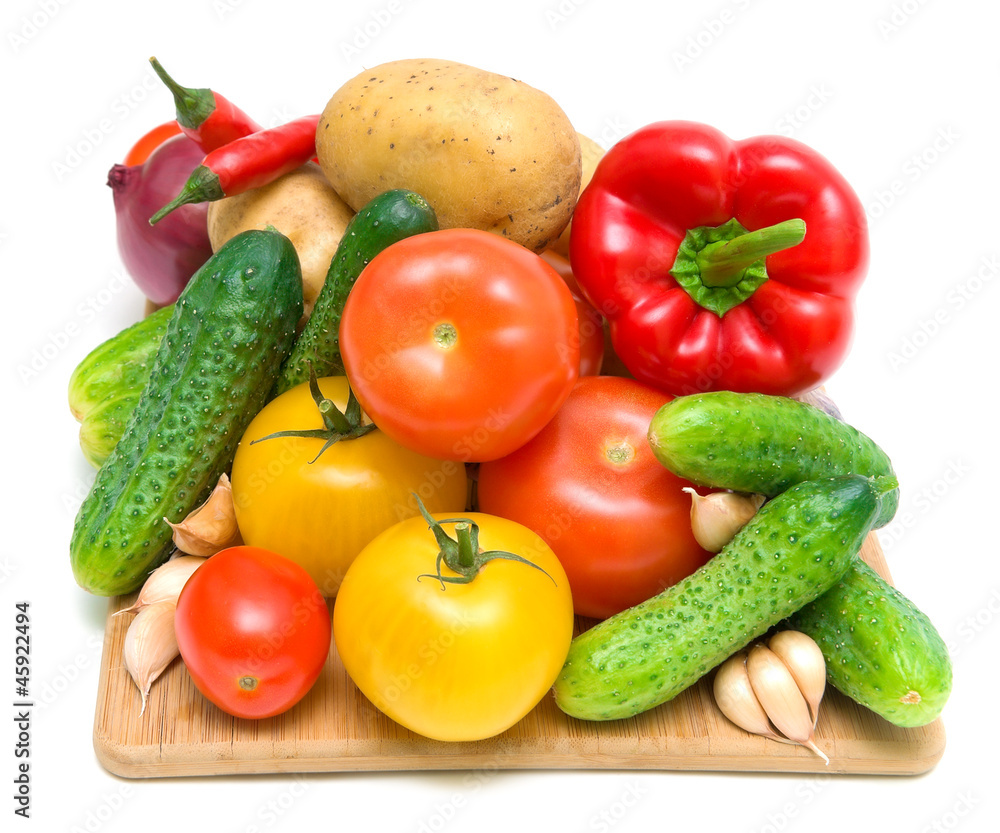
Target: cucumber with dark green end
390, 217
105, 386
880, 649
230, 330
753, 442
793, 550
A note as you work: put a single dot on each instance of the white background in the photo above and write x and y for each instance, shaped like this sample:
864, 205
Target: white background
900, 96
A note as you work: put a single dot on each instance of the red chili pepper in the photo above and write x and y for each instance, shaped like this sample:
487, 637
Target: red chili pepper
249, 162
205, 116
695, 248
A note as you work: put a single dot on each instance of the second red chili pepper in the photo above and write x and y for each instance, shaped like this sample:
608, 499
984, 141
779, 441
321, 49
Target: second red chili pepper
249, 162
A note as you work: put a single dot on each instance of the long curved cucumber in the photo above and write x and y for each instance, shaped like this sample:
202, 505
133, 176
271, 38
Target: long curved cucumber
880, 649
387, 219
754, 442
231, 328
792, 551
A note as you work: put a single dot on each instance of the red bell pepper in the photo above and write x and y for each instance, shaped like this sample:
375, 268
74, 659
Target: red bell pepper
721, 264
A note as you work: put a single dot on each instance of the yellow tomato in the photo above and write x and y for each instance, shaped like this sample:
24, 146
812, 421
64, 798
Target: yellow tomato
455, 662
320, 511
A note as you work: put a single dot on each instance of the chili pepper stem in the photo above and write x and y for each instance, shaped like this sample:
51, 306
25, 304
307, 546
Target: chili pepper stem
194, 106
202, 186
723, 263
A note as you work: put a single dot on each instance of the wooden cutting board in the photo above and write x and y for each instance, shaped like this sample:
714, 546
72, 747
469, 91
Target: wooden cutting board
335, 728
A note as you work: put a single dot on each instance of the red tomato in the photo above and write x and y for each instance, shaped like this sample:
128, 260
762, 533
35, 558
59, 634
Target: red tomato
460, 344
589, 484
592, 340
253, 631
146, 144
592, 347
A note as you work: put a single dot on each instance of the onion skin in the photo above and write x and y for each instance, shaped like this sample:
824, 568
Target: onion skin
161, 258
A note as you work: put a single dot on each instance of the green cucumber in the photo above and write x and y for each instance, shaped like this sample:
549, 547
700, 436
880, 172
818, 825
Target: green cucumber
880, 649
387, 219
231, 328
104, 387
793, 550
753, 442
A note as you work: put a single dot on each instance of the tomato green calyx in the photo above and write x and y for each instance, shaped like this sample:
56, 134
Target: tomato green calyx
445, 335
721, 266
620, 453
337, 425
462, 553
248, 683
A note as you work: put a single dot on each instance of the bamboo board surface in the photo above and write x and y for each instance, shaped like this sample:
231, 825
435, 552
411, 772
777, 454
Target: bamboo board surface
335, 728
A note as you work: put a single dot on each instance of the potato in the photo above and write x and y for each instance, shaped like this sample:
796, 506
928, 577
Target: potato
590, 154
486, 151
303, 207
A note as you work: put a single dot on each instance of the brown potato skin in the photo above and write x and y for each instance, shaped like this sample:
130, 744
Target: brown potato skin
485, 150
303, 207
590, 154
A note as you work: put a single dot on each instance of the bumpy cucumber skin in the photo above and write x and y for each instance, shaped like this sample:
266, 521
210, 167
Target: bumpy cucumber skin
105, 386
793, 550
880, 649
232, 326
754, 442
387, 219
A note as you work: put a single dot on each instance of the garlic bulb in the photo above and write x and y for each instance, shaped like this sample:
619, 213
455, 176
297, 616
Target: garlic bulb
150, 645
775, 691
212, 526
165, 582
718, 516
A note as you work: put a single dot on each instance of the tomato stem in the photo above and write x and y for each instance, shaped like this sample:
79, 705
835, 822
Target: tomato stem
248, 683
337, 425
462, 554
466, 551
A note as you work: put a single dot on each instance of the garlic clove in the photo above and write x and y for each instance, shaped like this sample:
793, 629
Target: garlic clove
735, 698
718, 516
212, 526
779, 696
804, 659
165, 583
150, 645
819, 398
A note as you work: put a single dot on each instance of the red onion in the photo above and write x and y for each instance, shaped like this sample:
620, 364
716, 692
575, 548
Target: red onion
163, 257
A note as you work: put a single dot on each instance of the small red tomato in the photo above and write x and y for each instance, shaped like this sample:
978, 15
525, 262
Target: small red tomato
460, 344
253, 631
589, 485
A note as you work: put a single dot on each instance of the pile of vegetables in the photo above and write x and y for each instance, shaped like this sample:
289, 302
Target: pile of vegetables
386, 387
